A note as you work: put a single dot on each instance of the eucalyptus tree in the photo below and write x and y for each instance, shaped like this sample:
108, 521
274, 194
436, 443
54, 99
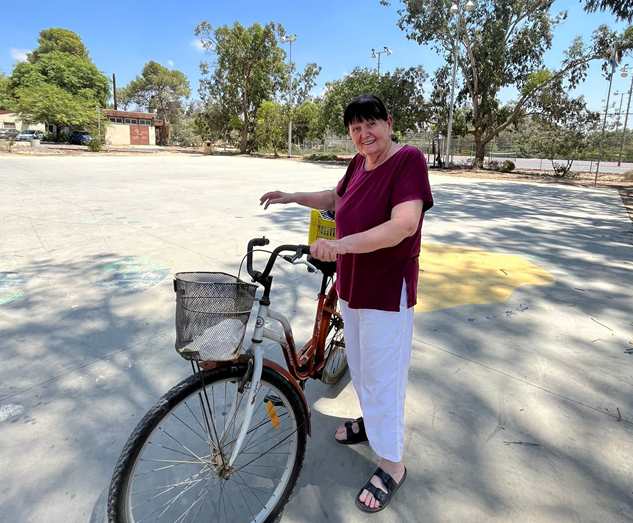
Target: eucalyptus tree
501, 45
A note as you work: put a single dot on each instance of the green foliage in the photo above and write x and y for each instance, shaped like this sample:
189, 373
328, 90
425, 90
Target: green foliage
59, 40
401, 91
94, 145
7, 102
493, 165
325, 157
508, 166
502, 45
249, 70
74, 75
271, 122
49, 103
564, 141
622, 9
158, 88
307, 123
59, 84
186, 133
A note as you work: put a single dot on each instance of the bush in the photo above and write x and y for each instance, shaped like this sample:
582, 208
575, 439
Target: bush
508, 166
50, 137
94, 145
323, 157
7, 145
493, 165
628, 176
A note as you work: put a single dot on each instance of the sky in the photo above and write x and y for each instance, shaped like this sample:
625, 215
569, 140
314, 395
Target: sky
121, 37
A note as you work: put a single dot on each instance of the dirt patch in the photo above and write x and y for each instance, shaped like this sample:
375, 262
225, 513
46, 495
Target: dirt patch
53, 149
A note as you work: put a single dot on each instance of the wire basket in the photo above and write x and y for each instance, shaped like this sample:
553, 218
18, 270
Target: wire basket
321, 226
212, 310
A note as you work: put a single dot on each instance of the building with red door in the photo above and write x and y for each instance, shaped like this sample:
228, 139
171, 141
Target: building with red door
134, 128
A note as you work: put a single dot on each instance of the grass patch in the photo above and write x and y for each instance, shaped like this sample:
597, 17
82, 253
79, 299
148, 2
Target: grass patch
323, 157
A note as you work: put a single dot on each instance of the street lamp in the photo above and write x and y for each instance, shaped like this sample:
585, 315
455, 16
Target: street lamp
454, 10
98, 121
375, 54
283, 40
624, 72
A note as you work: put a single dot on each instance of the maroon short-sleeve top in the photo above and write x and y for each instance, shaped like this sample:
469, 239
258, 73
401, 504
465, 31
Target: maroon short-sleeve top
374, 280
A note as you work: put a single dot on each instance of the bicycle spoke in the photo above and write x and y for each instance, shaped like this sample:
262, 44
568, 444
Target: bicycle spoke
178, 473
253, 493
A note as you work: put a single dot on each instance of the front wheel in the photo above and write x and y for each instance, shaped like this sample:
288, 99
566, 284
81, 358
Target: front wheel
174, 467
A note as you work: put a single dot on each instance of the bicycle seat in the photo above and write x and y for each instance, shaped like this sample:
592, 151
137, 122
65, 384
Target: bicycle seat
327, 268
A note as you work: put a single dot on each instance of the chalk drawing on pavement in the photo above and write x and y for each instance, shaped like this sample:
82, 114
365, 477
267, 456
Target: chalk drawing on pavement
136, 274
10, 283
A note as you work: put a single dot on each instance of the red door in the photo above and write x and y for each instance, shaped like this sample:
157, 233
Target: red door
139, 135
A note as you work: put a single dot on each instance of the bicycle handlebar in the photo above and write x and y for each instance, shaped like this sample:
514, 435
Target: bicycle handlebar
299, 251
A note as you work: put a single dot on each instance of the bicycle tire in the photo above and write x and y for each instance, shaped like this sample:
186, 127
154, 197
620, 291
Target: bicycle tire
334, 354
202, 470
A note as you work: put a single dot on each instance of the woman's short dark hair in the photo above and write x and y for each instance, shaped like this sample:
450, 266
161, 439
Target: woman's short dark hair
365, 107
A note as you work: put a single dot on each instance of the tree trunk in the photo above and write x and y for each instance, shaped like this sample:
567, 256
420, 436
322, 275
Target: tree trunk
480, 149
244, 142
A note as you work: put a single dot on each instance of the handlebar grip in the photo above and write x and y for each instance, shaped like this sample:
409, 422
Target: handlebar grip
260, 242
305, 249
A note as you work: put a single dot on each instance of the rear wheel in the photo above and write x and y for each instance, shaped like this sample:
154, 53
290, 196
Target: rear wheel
174, 467
334, 355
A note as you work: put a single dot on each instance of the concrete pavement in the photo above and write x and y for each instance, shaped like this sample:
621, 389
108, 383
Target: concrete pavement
520, 410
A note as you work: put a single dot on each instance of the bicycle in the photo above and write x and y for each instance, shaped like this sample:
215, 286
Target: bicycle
229, 441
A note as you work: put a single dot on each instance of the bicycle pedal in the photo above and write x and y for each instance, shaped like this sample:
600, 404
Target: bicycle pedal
274, 400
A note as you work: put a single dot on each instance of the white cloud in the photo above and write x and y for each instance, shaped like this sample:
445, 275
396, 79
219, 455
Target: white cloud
19, 54
197, 43
170, 63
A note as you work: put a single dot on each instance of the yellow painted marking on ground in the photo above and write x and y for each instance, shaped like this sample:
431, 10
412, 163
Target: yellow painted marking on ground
452, 275
272, 414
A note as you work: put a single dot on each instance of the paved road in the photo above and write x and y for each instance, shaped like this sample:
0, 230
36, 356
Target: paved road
578, 165
89, 245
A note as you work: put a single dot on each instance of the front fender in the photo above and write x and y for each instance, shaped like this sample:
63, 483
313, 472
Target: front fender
208, 365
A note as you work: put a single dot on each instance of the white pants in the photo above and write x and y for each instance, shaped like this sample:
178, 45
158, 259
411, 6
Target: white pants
378, 347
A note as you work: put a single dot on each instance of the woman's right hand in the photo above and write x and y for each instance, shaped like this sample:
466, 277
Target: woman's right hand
275, 197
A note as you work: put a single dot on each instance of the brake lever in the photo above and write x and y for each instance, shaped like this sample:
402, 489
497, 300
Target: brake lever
311, 268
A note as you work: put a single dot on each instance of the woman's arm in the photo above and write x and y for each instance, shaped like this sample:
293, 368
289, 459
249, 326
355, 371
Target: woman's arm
403, 223
323, 200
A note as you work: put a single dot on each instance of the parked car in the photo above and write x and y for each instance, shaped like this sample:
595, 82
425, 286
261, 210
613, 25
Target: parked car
5, 134
28, 135
80, 137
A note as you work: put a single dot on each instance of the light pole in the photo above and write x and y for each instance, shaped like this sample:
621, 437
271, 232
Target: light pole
455, 10
624, 73
617, 121
375, 54
98, 122
283, 40
613, 62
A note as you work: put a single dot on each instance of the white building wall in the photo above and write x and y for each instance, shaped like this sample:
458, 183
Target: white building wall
14, 118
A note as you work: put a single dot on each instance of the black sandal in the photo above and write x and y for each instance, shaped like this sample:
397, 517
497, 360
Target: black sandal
383, 497
354, 437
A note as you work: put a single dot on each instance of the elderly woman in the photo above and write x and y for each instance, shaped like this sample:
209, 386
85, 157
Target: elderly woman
380, 204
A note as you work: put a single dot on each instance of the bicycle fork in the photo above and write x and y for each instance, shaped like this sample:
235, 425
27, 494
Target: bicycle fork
259, 334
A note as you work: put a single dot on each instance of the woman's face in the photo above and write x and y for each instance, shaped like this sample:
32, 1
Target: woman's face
371, 137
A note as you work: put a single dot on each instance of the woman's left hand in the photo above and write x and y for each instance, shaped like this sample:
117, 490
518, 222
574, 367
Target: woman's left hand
327, 250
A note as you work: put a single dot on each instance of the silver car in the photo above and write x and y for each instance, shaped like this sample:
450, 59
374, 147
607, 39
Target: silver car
5, 134
28, 135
